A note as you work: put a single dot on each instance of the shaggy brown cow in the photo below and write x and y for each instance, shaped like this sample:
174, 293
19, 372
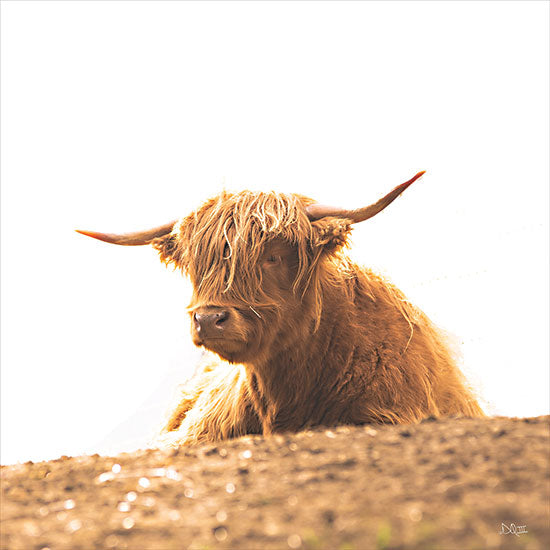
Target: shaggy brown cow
305, 336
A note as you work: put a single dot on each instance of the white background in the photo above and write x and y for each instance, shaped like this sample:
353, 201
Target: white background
119, 116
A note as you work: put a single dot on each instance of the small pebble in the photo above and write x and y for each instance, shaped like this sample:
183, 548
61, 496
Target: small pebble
220, 533
292, 500
172, 474
131, 496
31, 529
415, 514
128, 522
74, 525
144, 482
174, 515
111, 541
105, 476
230, 488
116, 468
271, 528
149, 502
294, 541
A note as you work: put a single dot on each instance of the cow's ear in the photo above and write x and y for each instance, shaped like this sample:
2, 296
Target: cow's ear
330, 233
170, 249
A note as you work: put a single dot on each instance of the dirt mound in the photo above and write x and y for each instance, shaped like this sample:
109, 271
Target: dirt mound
453, 483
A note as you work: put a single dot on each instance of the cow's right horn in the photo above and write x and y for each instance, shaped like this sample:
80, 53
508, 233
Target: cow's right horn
136, 238
318, 211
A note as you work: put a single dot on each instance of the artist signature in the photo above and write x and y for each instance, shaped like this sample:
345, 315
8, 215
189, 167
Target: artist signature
512, 529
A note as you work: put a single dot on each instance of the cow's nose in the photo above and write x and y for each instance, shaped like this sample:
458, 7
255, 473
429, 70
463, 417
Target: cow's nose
211, 322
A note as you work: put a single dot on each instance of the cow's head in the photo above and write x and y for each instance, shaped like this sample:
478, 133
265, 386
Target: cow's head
255, 261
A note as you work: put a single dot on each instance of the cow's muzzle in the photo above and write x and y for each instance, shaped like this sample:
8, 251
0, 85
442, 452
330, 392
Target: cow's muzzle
211, 323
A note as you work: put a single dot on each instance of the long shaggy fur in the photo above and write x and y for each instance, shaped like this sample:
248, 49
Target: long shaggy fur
314, 339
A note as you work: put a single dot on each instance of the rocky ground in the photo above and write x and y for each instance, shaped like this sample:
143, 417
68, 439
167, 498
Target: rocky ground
450, 484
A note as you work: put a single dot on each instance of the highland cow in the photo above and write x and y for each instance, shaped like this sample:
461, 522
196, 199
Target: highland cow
297, 334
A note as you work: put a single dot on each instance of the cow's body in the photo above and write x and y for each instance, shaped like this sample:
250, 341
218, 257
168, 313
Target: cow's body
300, 335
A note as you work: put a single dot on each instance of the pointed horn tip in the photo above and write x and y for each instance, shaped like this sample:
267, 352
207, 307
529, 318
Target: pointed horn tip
93, 234
99, 236
404, 186
416, 176
87, 233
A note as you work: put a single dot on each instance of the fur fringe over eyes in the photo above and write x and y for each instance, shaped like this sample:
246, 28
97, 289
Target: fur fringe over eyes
220, 245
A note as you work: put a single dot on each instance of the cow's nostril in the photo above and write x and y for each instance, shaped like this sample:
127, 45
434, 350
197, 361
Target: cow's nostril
222, 316
197, 320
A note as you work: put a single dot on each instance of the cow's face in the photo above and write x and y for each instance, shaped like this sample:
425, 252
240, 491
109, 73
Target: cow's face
253, 260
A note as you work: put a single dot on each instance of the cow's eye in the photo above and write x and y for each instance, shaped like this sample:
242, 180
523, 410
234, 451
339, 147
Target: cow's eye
272, 260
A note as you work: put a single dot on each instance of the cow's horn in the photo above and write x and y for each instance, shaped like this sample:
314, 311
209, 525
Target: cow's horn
318, 211
132, 239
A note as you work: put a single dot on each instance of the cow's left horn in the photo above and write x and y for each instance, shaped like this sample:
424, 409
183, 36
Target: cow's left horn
131, 239
318, 211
